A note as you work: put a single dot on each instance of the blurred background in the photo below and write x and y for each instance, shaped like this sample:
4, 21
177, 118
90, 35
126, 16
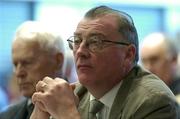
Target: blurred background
63, 16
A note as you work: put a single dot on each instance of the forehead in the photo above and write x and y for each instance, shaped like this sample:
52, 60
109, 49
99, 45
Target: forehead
25, 44
157, 50
23, 48
104, 24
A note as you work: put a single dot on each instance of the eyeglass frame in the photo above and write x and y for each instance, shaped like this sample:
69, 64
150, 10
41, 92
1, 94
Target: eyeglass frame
72, 43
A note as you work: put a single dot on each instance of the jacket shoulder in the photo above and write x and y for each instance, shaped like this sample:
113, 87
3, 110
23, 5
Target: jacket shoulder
11, 110
149, 97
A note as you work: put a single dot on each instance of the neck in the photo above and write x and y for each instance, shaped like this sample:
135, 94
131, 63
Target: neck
99, 90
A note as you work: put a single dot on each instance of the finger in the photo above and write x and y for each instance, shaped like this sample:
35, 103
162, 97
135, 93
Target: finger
40, 106
73, 86
48, 80
60, 80
41, 86
76, 98
37, 99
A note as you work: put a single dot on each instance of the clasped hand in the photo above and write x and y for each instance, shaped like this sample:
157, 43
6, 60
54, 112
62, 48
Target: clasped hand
54, 97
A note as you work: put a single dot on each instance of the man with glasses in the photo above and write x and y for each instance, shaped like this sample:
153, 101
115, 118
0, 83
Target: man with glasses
111, 84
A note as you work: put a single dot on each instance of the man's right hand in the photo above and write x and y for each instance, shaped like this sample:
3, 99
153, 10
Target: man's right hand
56, 96
38, 113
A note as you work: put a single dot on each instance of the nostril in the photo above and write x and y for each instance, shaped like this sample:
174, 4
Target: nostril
20, 74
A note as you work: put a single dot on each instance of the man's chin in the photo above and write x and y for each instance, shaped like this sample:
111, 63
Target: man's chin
26, 94
85, 80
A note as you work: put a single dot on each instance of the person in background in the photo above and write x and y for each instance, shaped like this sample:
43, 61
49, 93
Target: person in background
159, 55
13, 90
36, 52
70, 71
4, 101
111, 83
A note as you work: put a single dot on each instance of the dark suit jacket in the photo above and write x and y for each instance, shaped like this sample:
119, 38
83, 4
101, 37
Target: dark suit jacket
141, 96
175, 86
16, 111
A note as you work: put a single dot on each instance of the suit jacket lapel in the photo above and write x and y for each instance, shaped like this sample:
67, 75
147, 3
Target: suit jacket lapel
118, 104
84, 106
84, 96
22, 112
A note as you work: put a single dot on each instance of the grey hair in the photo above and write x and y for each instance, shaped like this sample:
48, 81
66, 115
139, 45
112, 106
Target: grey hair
35, 31
171, 48
126, 25
48, 40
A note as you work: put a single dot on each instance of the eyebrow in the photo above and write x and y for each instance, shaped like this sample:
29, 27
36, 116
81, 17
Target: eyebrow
78, 34
91, 34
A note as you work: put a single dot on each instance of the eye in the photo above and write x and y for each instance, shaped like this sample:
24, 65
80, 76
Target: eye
77, 40
27, 62
15, 64
95, 40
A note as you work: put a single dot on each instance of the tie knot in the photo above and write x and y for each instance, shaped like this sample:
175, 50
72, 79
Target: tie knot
95, 106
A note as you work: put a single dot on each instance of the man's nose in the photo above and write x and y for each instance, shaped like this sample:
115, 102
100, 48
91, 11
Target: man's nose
20, 71
82, 50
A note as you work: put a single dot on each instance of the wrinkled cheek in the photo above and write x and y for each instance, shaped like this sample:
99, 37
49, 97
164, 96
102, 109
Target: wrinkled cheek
17, 81
84, 78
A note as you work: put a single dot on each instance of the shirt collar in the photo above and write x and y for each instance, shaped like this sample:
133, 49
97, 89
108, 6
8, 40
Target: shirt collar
29, 102
109, 97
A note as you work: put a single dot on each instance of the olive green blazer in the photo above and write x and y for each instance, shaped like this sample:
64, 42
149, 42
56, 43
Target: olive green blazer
142, 95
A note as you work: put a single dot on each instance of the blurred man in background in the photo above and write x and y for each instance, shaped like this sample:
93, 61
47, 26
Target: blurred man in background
36, 53
159, 55
3, 99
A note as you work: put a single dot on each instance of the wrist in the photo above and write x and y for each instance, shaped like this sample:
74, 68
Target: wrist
69, 114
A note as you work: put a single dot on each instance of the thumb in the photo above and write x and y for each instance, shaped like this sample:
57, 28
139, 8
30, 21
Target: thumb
73, 86
76, 98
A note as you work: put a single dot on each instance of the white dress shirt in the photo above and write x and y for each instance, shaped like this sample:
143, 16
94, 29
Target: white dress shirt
107, 100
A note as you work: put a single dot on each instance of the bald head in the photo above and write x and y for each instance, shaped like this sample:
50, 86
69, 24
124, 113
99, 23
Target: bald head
159, 55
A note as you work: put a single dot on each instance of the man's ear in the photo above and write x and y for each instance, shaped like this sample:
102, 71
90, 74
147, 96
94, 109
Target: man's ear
131, 52
59, 60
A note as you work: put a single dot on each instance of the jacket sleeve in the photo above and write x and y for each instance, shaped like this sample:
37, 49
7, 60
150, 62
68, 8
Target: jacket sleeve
159, 106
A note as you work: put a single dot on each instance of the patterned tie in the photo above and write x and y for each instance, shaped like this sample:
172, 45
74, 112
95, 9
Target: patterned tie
95, 107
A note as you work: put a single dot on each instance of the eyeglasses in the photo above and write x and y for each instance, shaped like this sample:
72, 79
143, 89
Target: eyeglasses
94, 43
